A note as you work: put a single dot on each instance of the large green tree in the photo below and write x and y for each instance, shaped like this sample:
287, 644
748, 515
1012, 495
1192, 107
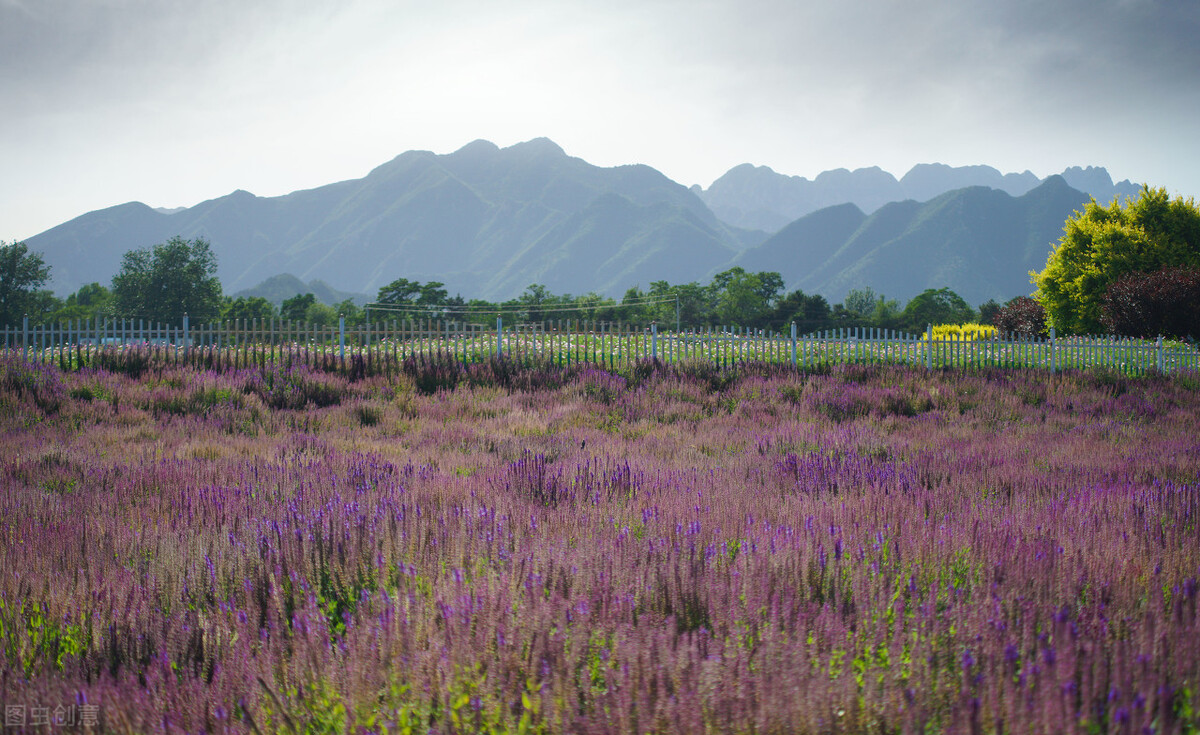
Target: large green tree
808, 313
22, 275
173, 278
247, 308
936, 306
1103, 243
865, 308
296, 308
428, 300
745, 299
91, 301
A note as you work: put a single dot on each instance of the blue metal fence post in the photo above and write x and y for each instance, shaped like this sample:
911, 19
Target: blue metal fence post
342, 337
1158, 354
187, 337
499, 337
793, 344
1053, 354
25, 337
929, 347
653, 340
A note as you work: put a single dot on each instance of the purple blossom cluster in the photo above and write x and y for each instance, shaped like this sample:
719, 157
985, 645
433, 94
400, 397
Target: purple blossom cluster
883, 550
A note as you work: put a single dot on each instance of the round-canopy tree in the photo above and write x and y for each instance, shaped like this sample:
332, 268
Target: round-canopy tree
175, 278
1101, 244
22, 273
936, 306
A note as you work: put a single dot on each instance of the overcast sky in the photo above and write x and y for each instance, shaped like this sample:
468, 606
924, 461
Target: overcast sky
171, 102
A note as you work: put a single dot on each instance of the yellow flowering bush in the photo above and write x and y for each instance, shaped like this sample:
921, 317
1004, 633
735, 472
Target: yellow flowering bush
967, 332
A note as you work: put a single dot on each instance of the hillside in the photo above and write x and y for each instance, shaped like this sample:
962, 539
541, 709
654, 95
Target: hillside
489, 221
474, 219
980, 242
757, 197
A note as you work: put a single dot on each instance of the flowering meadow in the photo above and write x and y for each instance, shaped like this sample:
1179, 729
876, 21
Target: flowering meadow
671, 549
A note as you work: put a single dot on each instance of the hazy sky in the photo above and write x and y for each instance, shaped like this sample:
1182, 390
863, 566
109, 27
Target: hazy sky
171, 102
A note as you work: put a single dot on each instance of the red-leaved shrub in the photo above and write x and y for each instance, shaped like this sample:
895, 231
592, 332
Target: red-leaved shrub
1023, 316
1165, 302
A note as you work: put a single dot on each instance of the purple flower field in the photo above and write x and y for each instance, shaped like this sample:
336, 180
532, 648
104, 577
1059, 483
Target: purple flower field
670, 550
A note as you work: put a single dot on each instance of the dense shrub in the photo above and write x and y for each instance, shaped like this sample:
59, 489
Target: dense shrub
964, 331
1165, 302
1022, 316
988, 311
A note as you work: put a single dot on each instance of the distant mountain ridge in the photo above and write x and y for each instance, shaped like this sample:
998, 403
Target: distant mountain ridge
488, 222
756, 197
485, 221
980, 242
284, 286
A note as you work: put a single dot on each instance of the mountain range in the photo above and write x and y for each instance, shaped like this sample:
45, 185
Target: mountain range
980, 242
489, 221
756, 197
284, 286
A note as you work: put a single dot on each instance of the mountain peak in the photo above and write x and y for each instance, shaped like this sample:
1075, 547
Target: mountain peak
538, 146
478, 147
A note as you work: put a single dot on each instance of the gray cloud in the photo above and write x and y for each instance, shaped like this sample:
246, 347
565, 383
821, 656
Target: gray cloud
237, 93
70, 53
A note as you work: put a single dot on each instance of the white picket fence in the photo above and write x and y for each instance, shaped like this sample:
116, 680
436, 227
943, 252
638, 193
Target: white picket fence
607, 344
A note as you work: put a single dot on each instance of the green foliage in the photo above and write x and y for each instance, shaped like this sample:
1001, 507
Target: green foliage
936, 306
745, 299
246, 309
92, 301
352, 312
320, 315
735, 297
29, 638
22, 274
537, 299
172, 279
988, 311
864, 307
692, 298
427, 299
1101, 244
809, 313
296, 308
860, 302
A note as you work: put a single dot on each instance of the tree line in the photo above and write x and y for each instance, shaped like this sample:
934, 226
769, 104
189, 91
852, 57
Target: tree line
1128, 268
162, 283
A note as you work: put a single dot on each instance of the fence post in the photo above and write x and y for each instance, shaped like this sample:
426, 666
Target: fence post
499, 337
793, 344
187, 337
342, 337
1053, 354
653, 340
929, 347
25, 337
1158, 354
